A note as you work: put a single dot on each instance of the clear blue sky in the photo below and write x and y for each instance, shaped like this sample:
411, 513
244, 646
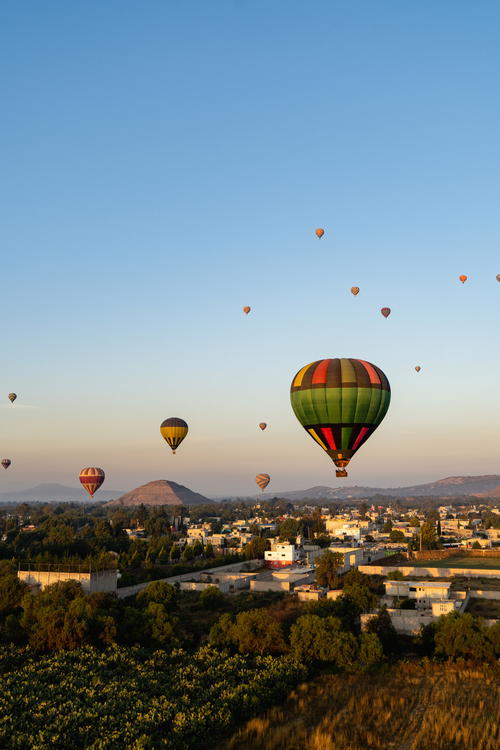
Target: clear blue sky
166, 163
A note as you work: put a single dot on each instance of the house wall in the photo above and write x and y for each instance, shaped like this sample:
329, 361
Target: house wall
383, 570
104, 581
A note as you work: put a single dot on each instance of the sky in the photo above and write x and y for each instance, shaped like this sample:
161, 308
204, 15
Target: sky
166, 163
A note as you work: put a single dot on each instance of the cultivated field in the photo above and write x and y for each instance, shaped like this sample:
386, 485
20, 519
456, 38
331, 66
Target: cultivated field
473, 563
410, 707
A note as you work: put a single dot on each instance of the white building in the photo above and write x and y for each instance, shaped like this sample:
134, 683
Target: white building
353, 556
281, 555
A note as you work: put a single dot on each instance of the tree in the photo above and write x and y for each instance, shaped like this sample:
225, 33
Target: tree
371, 651
289, 529
362, 597
212, 598
382, 626
159, 592
428, 536
438, 529
465, 636
12, 591
255, 548
387, 527
163, 626
397, 535
476, 545
256, 631
314, 638
220, 634
327, 567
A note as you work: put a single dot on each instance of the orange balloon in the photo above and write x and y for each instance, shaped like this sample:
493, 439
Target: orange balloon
319, 233
463, 278
262, 425
355, 290
246, 309
418, 368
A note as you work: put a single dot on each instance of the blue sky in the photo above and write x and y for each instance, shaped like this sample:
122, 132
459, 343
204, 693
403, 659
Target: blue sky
164, 164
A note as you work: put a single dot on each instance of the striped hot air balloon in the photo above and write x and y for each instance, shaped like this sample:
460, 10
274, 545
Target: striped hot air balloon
12, 397
340, 403
355, 290
92, 478
417, 368
6, 462
262, 480
319, 233
174, 430
386, 311
262, 425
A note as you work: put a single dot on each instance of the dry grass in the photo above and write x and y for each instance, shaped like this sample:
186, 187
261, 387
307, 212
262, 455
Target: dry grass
411, 707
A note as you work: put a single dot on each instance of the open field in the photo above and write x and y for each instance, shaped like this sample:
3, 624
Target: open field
473, 563
409, 707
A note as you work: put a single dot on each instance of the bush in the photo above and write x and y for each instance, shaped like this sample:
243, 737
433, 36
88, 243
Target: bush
212, 598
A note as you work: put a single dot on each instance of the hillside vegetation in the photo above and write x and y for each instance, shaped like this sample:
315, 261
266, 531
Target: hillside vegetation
409, 707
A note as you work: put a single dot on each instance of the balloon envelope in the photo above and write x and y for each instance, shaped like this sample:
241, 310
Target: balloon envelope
12, 397
262, 425
262, 480
246, 309
355, 290
340, 403
463, 278
386, 311
91, 478
418, 368
174, 430
498, 276
6, 462
319, 233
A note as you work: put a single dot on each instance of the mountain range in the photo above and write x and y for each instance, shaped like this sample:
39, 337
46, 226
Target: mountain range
57, 493
487, 485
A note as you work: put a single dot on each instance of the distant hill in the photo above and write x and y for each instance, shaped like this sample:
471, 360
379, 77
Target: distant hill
482, 486
161, 492
54, 493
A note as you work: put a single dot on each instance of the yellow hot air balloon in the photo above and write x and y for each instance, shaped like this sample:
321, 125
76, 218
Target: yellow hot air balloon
262, 425
355, 290
174, 430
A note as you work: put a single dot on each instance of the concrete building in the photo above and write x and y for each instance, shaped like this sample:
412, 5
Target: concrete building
91, 581
353, 556
281, 555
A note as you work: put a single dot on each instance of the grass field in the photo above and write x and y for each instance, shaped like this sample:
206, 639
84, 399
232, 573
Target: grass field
473, 563
409, 707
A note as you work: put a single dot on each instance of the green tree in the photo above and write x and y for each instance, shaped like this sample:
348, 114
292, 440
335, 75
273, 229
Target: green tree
462, 636
371, 651
12, 591
255, 548
256, 631
382, 626
397, 535
314, 638
220, 634
212, 598
428, 536
159, 592
289, 529
327, 567
362, 597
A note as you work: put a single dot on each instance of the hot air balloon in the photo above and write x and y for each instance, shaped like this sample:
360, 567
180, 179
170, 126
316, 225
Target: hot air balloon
262, 480
262, 425
174, 430
418, 368
12, 397
498, 276
319, 233
386, 311
463, 278
355, 290
340, 403
92, 478
246, 309
6, 462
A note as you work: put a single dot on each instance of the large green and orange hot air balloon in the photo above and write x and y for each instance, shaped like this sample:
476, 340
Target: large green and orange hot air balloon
92, 477
340, 403
174, 430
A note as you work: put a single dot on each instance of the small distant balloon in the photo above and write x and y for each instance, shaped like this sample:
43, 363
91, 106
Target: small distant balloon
262, 425
355, 290
173, 431
418, 368
262, 480
386, 311
6, 462
12, 397
246, 309
91, 478
463, 278
498, 276
319, 233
